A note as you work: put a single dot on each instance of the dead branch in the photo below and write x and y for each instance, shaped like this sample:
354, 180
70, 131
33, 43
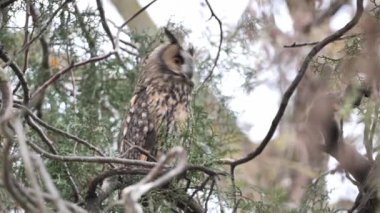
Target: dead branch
13, 131
9, 183
6, 97
25, 154
7, 118
132, 194
54, 193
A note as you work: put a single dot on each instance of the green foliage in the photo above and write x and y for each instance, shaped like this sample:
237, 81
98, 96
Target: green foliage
90, 101
316, 198
276, 200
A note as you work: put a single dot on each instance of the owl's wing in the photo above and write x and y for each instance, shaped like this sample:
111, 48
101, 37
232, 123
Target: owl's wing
139, 136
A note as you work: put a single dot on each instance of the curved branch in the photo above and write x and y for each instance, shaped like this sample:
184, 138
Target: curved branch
213, 15
104, 22
10, 184
91, 192
132, 194
16, 69
289, 92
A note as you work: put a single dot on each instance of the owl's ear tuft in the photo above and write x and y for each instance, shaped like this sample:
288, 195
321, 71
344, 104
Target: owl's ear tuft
171, 37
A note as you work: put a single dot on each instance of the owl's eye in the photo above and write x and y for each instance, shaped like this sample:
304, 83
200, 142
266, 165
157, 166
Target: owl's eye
178, 60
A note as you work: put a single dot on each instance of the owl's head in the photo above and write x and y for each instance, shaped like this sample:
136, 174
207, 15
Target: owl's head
172, 59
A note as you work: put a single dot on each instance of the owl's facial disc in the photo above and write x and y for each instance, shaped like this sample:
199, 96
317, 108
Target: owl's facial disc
178, 61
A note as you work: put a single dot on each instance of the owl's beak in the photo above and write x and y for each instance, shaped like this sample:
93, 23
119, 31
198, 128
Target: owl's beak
188, 70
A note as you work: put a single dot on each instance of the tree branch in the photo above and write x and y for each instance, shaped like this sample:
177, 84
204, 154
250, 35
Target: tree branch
56, 76
289, 92
209, 75
16, 69
132, 194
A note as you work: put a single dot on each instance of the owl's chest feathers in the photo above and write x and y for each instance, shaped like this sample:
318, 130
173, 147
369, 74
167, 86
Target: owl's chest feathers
168, 103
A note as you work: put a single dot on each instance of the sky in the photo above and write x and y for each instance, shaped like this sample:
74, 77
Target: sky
254, 110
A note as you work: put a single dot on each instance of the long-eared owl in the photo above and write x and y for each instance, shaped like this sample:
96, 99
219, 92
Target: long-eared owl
160, 101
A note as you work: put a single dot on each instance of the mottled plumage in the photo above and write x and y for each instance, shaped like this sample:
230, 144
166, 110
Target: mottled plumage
160, 100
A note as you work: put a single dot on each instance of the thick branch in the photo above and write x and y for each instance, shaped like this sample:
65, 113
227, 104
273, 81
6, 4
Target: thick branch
351, 160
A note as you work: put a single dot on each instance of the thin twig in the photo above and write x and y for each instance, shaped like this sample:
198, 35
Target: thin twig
86, 33
104, 21
129, 20
26, 37
129, 162
26, 40
89, 159
137, 14
140, 149
65, 70
209, 75
210, 193
200, 187
50, 143
59, 131
294, 45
